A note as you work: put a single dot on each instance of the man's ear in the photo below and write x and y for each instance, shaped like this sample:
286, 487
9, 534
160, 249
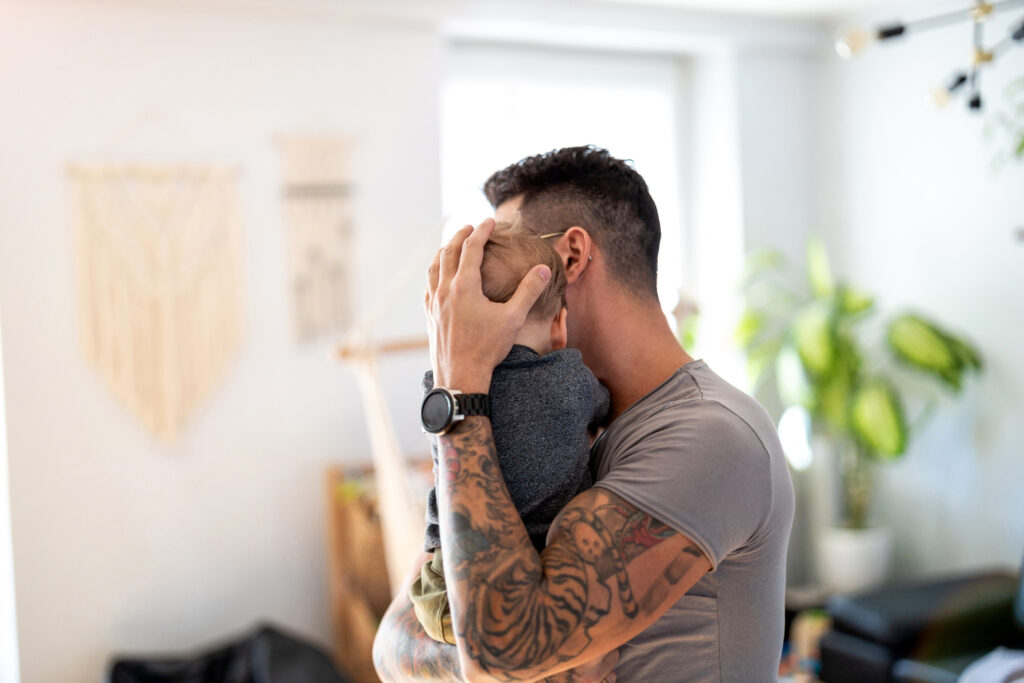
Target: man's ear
559, 330
575, 250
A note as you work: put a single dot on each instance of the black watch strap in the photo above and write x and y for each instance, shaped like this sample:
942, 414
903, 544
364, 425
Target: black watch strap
474, 404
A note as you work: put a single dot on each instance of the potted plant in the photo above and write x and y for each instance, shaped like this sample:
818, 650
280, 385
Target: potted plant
865, 384
1006, 126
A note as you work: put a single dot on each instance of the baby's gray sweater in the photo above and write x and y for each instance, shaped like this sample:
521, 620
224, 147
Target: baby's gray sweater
542, 411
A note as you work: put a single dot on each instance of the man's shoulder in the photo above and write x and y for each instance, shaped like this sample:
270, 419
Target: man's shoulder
696, 415
694, 397
729, 405
723, 409
698, 428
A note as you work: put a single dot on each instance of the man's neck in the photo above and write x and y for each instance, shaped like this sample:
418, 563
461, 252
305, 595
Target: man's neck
630, 348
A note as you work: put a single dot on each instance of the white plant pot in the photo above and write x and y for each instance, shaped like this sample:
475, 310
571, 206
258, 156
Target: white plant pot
851, 560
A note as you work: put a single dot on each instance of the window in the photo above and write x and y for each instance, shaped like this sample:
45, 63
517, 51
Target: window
500, 104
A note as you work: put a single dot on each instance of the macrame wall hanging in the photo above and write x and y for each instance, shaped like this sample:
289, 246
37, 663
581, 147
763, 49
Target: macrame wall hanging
159, 283
316, 186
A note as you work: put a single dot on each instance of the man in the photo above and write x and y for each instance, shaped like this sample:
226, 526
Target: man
676, 557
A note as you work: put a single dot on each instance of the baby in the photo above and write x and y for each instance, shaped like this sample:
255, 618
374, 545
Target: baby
545, 407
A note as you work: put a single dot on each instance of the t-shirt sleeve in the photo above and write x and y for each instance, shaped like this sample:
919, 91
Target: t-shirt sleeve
702, 471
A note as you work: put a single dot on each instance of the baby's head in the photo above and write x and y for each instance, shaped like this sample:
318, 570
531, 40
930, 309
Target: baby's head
508, 257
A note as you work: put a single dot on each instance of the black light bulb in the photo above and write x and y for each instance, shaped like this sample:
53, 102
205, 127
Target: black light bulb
956, 82
941, 95
1018, 33
891, 31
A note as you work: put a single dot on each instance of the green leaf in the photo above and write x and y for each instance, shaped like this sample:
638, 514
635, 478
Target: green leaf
688, 334
834, 390
794, 389
1020, 147
876, 418
928, 347
814, 340
760, 358
968, 355
819, 274
761, 261
751, 323
834, 401
952, 376
852, 302
923, 345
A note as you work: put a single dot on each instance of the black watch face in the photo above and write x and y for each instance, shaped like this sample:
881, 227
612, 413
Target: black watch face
437, 411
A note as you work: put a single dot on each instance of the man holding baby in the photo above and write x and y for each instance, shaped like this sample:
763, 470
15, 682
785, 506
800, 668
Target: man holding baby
671, 567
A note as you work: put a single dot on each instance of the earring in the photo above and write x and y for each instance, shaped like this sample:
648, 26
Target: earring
590, 258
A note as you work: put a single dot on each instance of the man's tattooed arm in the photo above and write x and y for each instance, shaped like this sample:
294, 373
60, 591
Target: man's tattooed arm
402, 651
609, 569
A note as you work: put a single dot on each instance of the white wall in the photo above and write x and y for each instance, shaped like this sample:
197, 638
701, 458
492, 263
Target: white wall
120, 542
751, 177
913, 212
775, 112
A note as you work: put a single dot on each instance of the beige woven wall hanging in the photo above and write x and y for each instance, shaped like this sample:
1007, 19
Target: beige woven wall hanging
159, 283
316, 187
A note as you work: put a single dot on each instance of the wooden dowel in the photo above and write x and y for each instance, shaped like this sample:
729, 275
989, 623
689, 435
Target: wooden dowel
391, 346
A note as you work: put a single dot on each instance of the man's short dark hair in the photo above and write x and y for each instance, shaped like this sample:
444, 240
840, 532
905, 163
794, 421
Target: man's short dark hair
589, 188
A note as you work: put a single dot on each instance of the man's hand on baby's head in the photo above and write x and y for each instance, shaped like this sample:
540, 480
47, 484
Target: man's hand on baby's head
470, 334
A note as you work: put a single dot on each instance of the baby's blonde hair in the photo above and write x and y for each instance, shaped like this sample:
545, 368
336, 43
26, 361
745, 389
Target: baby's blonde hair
509, 255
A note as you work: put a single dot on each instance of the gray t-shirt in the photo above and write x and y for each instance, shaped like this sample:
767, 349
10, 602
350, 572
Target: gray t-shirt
704, 458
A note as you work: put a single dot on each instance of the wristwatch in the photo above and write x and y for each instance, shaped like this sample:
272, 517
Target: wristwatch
443, 408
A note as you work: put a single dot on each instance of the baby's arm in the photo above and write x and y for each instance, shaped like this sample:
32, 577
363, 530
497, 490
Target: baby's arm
403, 652
429, 597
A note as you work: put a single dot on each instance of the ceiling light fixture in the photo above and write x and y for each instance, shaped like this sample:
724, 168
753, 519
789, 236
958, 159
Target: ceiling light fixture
853, 41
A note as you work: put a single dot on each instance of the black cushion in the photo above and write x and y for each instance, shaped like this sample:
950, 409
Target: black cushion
932, 618
266, 655
848, 659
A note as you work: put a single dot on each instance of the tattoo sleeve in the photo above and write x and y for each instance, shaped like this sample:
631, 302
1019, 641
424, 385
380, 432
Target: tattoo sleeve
403, 652
608, 571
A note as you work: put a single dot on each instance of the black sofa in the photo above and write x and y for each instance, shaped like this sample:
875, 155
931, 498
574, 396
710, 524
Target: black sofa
922, 631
